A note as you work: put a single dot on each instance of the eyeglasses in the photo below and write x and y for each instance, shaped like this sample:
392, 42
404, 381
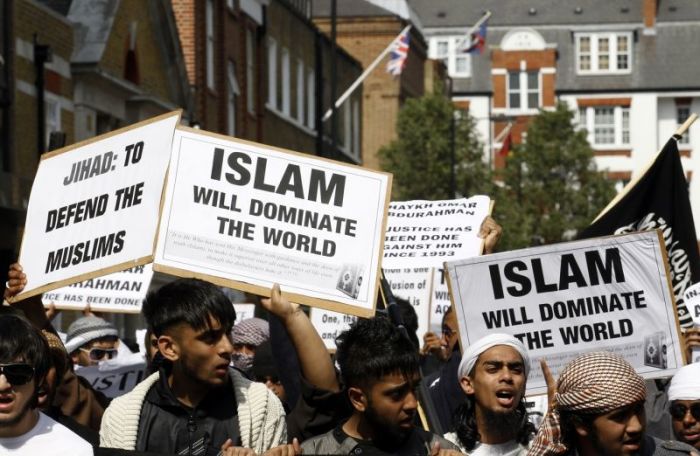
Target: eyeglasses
98, 354
678, 411
17, 374
448, 332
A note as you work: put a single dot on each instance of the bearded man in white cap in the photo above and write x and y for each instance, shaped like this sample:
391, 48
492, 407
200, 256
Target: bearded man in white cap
493, 419
684, 395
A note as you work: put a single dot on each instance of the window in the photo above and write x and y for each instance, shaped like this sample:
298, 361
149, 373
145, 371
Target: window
233, 91
604, 52
52, 116
210, 43
250, 70
300, 91
606, 125
311, 99
286, 83
347, 127
682, 114
272, 73
448, 49
523, 90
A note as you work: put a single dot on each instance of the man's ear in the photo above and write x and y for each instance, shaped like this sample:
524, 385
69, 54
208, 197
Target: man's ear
582, 429
467, 385
168, 347
358, 399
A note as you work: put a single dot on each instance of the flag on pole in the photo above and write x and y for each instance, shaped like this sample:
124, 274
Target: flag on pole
658, 199
477, 39
399, 53
505, 147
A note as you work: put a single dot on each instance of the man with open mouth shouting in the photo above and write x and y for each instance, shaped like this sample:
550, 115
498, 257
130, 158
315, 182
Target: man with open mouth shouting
493, 419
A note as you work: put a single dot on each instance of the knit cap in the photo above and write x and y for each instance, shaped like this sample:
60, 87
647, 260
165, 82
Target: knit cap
251, 331
86, 329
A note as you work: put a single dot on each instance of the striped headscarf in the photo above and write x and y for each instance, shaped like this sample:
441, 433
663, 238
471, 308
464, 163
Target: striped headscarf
592, 384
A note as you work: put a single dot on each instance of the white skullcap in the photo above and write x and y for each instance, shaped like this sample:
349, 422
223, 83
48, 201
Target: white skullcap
471, 354
685, 385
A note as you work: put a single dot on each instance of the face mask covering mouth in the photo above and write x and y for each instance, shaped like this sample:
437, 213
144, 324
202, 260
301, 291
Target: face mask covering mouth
242, 361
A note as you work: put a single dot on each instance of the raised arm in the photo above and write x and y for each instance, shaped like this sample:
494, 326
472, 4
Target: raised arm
316, 365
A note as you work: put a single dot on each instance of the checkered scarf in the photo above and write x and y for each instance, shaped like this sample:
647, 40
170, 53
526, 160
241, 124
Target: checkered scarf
592, 384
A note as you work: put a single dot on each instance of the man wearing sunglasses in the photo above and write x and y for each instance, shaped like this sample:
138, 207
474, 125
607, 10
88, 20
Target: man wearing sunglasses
91, 340
24, 362
684, 395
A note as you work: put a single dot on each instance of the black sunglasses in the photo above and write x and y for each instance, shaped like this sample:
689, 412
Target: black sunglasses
98, 354
678, 411
17, 374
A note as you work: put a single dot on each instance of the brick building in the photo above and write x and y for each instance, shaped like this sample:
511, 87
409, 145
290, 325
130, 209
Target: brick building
256, 69
364, 30
30, 29
80, 68
626, 67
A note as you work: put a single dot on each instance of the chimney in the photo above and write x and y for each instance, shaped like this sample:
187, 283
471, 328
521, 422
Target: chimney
649, 10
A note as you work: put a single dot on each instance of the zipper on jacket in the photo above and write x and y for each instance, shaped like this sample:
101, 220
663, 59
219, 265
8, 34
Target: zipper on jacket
191, 428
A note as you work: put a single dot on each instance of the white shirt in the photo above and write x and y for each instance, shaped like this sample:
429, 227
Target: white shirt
46, 437
511, 448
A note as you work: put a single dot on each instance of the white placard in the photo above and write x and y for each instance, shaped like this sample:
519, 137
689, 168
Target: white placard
119, 292
692, 302
565, 299
244, 312
330, 324
440, 301
247, 216
428, 233
116, 376
414, 285
94, 206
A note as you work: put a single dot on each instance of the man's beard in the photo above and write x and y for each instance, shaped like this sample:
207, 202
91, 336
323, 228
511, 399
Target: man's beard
386, 434
502, 423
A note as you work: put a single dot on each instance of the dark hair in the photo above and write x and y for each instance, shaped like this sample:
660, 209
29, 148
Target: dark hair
372, 348
464, 421
20, 341
190, 301
410, 320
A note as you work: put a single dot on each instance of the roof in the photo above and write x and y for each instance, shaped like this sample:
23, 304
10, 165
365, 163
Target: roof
93, 21
458, 13
349, 8
660, 61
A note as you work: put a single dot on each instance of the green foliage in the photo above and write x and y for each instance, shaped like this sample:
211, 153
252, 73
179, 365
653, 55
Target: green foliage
421, 158
552, 188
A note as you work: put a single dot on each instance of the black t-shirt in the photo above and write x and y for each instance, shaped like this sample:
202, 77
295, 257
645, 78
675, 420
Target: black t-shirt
167, 426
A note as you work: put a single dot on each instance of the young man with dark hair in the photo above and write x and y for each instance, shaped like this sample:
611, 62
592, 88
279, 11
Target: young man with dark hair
195, 404
492, 419
379, 370
597, 409
24, 363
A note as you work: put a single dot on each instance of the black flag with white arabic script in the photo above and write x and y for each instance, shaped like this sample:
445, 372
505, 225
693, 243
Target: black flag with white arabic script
659, 199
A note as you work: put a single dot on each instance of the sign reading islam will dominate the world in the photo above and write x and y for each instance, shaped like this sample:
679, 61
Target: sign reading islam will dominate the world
247, 216
565, 299
94, 206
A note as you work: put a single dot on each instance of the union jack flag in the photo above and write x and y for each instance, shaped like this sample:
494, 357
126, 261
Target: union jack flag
399, 54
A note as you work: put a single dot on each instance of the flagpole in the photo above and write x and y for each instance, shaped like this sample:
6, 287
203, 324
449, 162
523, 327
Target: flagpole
688, 122
503, 133
682, 129
483, 19
364, 75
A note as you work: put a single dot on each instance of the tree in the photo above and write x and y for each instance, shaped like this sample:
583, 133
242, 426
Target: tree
552, 188
421, 157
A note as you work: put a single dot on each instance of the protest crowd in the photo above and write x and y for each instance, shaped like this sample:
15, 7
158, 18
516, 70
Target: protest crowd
271, 388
